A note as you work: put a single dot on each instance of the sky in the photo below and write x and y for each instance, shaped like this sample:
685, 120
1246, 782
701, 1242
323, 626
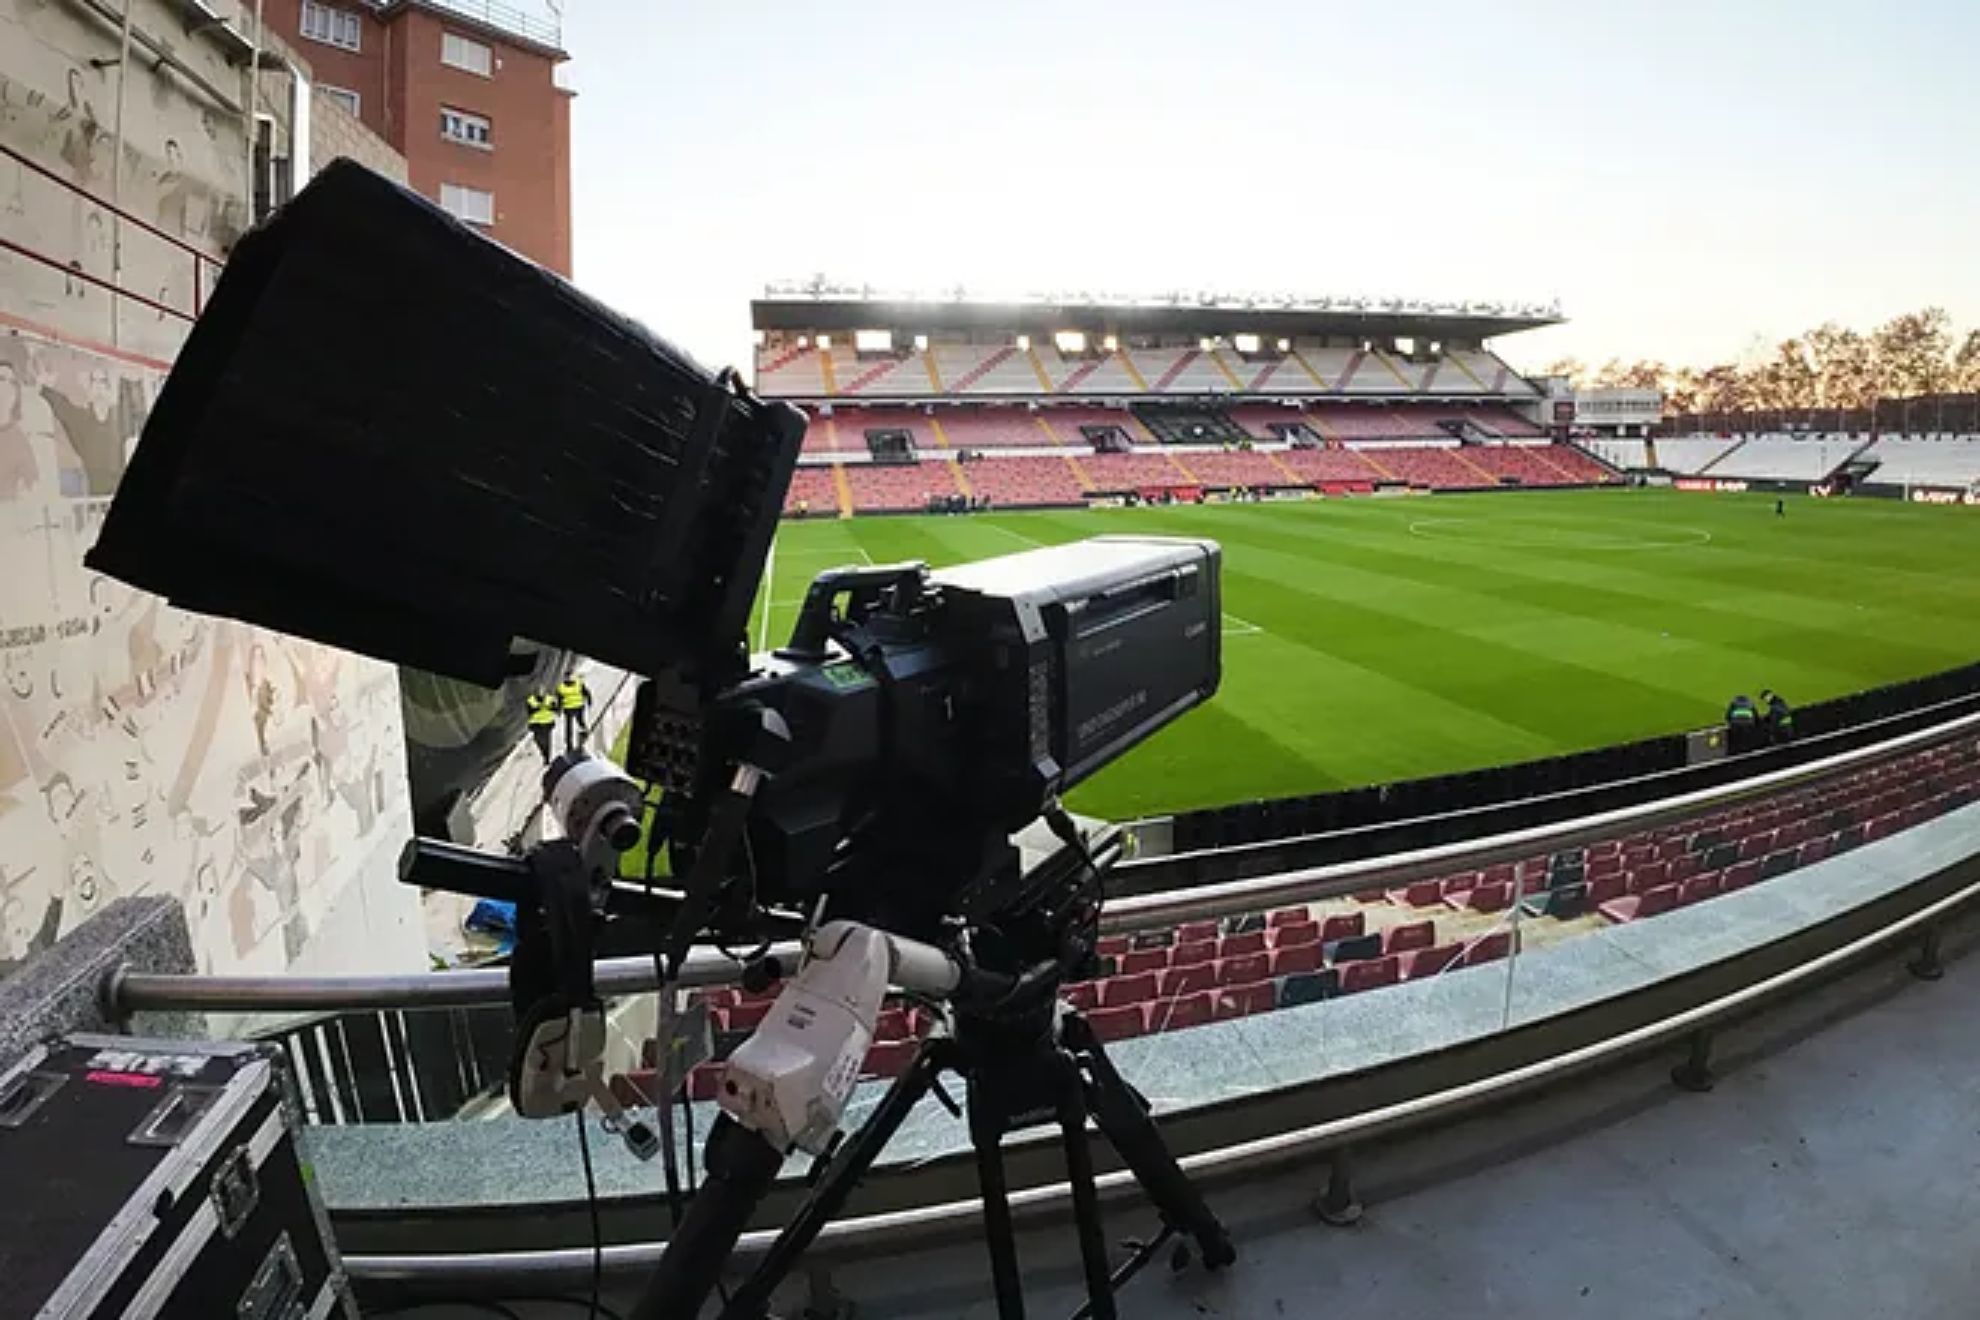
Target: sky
1691, 179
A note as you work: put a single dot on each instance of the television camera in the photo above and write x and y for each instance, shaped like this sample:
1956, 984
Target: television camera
518, 466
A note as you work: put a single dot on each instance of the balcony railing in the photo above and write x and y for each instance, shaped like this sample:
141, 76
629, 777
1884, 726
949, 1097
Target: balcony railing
536, 27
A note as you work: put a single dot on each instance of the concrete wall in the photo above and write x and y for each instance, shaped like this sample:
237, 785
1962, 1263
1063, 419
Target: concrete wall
333, 132
143, 750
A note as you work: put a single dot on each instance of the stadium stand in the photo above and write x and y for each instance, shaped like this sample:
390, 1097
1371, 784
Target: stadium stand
1333, 466
850, 427
1207, 971
786, 370
1689, 455
1529, 465
1952, 460
1142, 471
995, 428
1786, 457
813, 490
1439, 467
1039, 480
1627, 455
898, 487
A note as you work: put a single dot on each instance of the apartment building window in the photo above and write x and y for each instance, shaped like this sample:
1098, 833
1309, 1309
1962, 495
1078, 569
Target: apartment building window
470, 129
342, 96
462, 53
470, 204
332, 26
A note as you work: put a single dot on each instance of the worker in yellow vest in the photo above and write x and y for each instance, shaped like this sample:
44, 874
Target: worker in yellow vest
542, 708
573, 697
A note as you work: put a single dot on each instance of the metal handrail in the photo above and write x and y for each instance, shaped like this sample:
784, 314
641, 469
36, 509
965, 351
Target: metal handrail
135, 991
1263, 1154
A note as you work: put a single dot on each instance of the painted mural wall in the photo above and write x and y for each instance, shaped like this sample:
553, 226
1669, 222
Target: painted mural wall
144, 750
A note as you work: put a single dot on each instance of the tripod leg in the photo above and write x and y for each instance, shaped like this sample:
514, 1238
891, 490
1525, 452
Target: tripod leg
1086, 1200
986, 1134
829, 1195
1121, 1118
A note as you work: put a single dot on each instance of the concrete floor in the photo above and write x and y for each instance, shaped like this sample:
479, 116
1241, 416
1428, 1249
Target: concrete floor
1834, 1172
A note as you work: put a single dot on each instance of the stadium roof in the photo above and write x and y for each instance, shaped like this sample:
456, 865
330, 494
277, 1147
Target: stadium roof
819, 306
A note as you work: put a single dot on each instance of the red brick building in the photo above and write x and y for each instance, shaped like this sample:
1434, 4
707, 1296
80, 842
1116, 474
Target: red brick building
465, 90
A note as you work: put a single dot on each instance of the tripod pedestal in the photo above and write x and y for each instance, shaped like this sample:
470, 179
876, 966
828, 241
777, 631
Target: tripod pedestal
1016, 1075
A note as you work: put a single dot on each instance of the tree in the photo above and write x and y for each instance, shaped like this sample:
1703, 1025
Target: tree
1721, 389
1845, 371
1966, 364
1786, 381
1913, 353
1577, 374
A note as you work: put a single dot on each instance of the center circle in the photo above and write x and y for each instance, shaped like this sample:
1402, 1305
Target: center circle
1516, 535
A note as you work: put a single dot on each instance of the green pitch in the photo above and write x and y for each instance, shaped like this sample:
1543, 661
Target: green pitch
1377, 639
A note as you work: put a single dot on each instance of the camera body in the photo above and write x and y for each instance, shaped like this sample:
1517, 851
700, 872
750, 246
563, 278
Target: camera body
932, 714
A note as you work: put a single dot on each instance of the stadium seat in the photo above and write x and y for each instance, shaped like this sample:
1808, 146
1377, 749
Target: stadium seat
1197, 951
1118, 990
1194, 932
1188, 1011
1424, 893
1298, 916
1243, 970
1174, 981
1490, 948
1344, 927
1370, 975
1289, 960
1608, 887
1358, 949
1144, 960
1305, 932
1234, 946
1486, 898
1650, 903
1309, 987
1698, 889
1740, 876
1420, 963
893, 1025
1111, 1024
743, 1017
1112, 945
1083, 995
1244, 1000
1414, 935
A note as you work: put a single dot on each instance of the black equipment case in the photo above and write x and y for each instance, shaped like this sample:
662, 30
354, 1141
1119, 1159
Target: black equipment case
158, 1178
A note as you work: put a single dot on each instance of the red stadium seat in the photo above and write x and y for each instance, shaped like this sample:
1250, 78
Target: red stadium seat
1194, 932
1187, 1011
1083, 995
1494, 897
1376, 972
1118, 990
1174, 981
1288, 917
1110, 1024
1343, 927
1196, 951
1144, 960
1420, 963
1292, 959
1424, 893
1243, 970
1305, 932
1244, 1000
1415, 935
1698, 889
1236, 946
1491, 948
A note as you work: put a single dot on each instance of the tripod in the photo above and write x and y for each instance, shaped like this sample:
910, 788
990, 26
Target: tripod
1045, 1065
